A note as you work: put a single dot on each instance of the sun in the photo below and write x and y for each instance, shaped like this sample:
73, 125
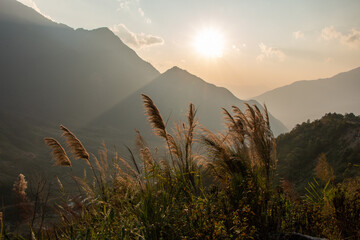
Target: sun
209, 43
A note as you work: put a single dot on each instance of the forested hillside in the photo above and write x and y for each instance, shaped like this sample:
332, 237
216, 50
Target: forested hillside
335, 135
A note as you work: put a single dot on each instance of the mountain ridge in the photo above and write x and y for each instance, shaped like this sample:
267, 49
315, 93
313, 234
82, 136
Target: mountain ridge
307, 81
172, 97
335, 135
52, 74
310, 99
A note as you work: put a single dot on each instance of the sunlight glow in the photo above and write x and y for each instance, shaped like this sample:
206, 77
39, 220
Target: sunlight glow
209, 43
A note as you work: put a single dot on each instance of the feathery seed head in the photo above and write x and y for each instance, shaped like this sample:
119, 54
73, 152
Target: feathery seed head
154, 116
20, 187
58, 152
74, 144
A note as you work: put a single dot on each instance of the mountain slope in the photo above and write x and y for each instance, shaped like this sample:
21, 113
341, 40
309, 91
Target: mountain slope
335, 135
172, 92
54, 72
303, 100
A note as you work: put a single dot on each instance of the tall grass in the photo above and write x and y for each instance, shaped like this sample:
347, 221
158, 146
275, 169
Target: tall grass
199, 185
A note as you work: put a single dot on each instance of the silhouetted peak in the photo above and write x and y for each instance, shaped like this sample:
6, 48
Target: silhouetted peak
103, 31
178, 73
104, 36
174, 69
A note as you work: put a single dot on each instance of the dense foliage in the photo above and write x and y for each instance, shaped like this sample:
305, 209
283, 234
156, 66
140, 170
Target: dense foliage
202, 185
335, 135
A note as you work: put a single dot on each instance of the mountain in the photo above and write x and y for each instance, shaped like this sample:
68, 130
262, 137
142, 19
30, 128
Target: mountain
335, 135
172, 92
54, 73
303, 100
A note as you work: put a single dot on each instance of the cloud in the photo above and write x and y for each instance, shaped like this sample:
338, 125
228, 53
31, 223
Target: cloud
32, 4
136, 40
298, 35
132, 5
123, 4
352, 39
329, 33
270, 53
142, 14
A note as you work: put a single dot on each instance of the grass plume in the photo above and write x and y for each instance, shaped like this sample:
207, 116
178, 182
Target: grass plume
157, 123
58, 152
154, 117
20, 187
74, 144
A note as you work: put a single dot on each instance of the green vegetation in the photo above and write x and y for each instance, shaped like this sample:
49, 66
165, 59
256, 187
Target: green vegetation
201, 185
335, 135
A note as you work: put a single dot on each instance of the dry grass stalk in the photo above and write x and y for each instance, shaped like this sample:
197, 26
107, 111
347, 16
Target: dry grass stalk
140, 141
58, 152
79, 152
220, 154
74, 144
247, 146
236, 128
24, 206
147, 159
123, 181
154, 117
266, 114
263, 143
103, 155
144, 152
86, 188
60, 185
190, 133
230, 121
156, 121
99, 166
127, 165
20, 187
102, 171
174, 147
191, 122
133, 160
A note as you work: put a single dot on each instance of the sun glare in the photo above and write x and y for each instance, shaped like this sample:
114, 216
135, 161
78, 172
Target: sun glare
209, 43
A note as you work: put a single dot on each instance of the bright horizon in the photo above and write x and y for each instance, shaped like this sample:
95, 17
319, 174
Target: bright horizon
248, 47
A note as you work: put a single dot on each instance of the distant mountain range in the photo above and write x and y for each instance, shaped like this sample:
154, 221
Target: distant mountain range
303, 100
172, 92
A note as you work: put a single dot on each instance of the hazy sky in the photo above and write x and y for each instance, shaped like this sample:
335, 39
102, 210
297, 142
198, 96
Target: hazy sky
266, 44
